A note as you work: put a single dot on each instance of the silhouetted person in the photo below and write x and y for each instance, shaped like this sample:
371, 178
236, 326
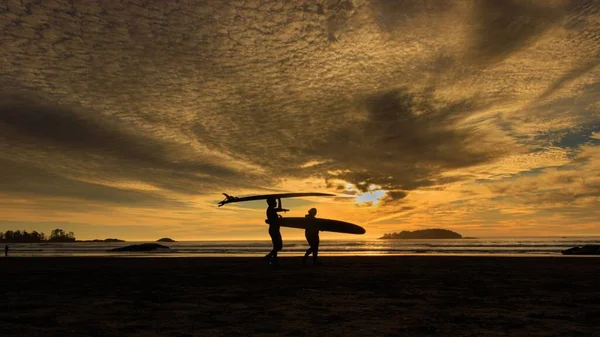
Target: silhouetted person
6, 250
273, 221
312, 236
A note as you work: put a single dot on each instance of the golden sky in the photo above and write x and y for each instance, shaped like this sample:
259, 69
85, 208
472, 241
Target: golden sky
129, 119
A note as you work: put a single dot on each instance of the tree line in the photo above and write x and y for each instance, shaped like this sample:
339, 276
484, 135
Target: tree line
57, 235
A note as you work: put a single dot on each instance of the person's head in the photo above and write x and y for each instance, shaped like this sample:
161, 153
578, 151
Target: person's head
312, 212
271, 202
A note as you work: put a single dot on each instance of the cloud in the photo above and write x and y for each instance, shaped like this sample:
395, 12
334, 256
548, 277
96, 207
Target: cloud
503, 27
395, 14
570, 76
26, 122
403, 142
122, 108
20, 180
49, 149
555, 189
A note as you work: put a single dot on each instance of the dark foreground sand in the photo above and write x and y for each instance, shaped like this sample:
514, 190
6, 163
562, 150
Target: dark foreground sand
348, 296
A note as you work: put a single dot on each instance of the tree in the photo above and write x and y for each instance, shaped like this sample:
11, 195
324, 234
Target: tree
58, 235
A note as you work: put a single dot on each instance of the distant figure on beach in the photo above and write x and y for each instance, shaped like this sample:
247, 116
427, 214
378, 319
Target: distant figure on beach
312, 236
273, 221
5, 250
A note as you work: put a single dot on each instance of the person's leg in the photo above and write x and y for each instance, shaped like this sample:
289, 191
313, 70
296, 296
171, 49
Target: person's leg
308, 251
277, 246
268, 256
316, 251
273, 251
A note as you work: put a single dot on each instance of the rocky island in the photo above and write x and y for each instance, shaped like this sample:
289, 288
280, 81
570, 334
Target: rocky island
165, 240
584, 250
435, 233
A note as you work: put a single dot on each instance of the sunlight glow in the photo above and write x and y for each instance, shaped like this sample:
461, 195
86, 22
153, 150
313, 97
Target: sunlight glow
372, 197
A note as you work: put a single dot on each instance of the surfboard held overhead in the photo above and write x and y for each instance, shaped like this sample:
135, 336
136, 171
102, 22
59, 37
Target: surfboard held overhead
229, 199
324, 225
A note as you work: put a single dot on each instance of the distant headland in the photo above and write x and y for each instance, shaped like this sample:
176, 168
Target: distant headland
435, 233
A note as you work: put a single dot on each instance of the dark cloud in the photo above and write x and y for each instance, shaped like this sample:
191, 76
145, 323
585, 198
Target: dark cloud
400, 140
338, 13
20, 180
569, 77
404, 142
393, 14
46, 146
49, 126
581, 12
503, 27
396, 195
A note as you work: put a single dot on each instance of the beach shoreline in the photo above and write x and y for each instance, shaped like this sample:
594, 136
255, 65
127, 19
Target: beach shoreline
285, 255
348, 296
253, 248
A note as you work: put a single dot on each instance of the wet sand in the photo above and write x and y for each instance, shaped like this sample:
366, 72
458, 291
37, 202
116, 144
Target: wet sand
348, 296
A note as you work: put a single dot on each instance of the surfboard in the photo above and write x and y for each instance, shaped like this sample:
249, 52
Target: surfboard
230, 199
326, 225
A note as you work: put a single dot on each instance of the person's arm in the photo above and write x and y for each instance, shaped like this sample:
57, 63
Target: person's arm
279, 207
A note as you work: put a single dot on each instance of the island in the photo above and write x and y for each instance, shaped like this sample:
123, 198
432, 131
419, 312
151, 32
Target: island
435, 233
100, 240
584, 250
144, 247
165, 240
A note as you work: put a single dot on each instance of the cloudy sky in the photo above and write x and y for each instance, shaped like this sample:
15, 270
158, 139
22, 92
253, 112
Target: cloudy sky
130, 118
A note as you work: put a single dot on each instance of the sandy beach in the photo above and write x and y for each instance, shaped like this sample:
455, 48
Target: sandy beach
348, 296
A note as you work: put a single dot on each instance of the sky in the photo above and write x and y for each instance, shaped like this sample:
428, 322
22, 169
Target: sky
128, 119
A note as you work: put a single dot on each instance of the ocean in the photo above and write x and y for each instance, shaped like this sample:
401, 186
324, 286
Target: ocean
547, 246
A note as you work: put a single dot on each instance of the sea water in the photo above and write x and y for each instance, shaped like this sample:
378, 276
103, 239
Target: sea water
531, 246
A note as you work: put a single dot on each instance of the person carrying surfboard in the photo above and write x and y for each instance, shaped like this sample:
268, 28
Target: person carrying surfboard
312, 236
274, 232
